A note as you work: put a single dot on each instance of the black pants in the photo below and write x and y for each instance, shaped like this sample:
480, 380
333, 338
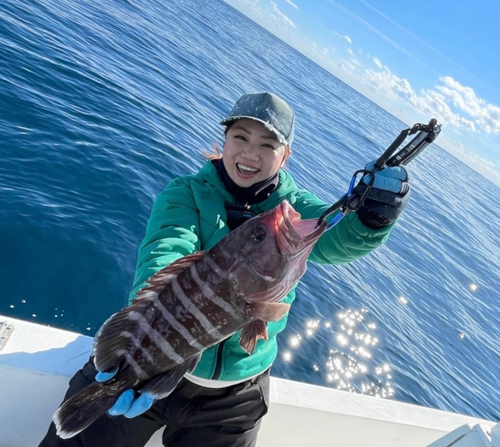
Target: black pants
192, 416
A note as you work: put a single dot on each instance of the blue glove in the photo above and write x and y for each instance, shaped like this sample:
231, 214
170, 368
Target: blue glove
127, 404
387, 198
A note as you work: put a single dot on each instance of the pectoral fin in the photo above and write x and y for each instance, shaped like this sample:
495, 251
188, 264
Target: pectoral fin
251, 333
266, 311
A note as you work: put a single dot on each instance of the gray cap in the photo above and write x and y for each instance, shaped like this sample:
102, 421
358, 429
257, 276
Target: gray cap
270, 110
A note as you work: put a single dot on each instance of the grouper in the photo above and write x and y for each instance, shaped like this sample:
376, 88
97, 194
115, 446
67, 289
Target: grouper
193, 304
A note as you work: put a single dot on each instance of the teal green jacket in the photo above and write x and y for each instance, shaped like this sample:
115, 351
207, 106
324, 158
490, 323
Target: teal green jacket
189, 216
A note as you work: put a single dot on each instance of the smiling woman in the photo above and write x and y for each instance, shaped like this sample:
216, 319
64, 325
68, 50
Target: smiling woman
259, 132
225, 394
252, 153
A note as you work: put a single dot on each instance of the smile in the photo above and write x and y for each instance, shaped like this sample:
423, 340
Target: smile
248, 169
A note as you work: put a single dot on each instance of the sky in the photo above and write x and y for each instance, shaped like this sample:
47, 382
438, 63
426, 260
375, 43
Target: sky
417, 60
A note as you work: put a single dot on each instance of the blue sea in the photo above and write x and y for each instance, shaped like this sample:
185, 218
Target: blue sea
102, 103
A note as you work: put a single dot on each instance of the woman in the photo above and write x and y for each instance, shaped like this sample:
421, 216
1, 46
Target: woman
222, 402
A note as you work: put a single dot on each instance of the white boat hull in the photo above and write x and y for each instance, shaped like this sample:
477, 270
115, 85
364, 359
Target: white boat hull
37, 361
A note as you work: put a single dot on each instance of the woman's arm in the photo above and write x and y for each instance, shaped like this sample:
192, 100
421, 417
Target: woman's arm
171, 233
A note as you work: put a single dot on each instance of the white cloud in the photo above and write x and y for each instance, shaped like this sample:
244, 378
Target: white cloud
346, 38
434, 103
282, 16
377, 62
445, 102
349, 50
292, 4
486, 115
346, 66
388, 83
461, 111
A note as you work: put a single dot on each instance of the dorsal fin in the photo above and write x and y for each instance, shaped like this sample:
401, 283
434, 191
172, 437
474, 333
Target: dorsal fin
157, 282
113, 338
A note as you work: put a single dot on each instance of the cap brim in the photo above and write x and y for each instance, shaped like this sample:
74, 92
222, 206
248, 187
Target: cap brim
268, 126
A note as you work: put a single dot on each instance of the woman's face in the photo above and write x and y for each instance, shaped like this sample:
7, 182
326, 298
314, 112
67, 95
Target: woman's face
252, 153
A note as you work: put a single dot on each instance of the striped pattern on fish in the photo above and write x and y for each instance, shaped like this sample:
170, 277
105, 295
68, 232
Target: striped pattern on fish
193, 304
177, 320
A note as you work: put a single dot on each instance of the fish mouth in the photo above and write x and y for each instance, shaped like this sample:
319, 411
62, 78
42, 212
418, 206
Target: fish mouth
295, 234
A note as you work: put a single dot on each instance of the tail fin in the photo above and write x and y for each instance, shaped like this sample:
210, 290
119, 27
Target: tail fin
82, 409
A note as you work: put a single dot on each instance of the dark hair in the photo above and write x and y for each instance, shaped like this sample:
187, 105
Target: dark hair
216, 154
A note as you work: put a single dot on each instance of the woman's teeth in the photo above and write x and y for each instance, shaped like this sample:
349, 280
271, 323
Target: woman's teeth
246, 168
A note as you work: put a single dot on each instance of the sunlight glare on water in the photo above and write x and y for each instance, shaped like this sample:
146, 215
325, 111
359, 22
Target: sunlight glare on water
351, 359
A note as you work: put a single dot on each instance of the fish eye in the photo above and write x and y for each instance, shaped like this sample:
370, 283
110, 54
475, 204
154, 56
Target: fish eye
259, 234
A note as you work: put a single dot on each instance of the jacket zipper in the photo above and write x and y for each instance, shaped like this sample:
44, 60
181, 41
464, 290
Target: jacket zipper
218, 361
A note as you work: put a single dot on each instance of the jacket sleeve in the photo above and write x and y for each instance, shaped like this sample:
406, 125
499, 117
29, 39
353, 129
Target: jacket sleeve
346, 241
171, 233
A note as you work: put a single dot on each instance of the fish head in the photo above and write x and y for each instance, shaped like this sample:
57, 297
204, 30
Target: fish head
267, 255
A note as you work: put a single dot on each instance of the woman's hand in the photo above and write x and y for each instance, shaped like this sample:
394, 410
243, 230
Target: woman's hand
387, 198
127, 404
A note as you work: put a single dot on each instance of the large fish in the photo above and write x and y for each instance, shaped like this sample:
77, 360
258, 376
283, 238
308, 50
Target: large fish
194, 303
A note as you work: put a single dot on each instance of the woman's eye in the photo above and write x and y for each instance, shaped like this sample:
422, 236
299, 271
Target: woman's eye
259, 234
269, 146
240, 137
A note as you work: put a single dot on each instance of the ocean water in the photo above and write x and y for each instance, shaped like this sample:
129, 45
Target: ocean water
103, 102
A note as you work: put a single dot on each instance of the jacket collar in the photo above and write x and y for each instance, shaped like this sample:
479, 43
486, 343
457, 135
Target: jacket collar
246, 196
285, 184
